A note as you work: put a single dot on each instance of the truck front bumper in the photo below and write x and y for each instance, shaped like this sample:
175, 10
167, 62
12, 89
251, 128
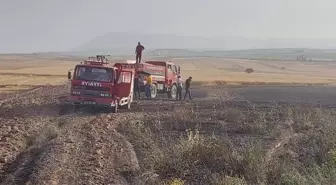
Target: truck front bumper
96, 102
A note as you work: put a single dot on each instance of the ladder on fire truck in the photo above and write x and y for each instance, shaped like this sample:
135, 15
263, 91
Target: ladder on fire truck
137, 68
97, 60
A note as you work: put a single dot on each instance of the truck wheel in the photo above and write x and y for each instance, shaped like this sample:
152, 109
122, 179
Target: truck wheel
153, 91
76, 107
173, 91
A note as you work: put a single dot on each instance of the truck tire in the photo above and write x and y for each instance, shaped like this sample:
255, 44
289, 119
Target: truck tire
153, 91
173, 92
76, 107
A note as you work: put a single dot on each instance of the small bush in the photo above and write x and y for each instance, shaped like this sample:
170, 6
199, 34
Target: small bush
249, 70
227, 180
175, 182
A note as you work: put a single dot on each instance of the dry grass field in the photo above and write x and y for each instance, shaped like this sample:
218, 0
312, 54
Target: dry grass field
24, 72
232, 71
20, 72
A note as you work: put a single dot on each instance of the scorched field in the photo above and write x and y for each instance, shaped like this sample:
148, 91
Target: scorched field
225, 135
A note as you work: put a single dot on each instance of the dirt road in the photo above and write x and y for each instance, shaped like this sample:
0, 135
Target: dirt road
44, 142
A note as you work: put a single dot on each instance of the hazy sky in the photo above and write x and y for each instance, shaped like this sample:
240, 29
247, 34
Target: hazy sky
47, 25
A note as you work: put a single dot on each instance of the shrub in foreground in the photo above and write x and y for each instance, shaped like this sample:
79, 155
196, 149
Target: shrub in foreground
306, 155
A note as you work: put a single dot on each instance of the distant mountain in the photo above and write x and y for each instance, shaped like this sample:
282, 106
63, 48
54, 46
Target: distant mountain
276, 53
125, 43
268, 54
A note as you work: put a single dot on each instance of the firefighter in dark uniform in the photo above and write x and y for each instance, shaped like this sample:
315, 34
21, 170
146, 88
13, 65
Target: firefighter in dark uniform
138, 52
137, 87
187, 88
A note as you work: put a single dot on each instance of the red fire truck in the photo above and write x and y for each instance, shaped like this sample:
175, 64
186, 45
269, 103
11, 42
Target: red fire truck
164, 74
97, 83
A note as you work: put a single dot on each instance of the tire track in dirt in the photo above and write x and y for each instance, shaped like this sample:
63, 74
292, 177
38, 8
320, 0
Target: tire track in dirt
56, 146
69, 148
59, 148
21, 117
44, 168
75, 149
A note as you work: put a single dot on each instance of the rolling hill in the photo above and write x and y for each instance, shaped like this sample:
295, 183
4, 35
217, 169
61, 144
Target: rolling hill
126, 42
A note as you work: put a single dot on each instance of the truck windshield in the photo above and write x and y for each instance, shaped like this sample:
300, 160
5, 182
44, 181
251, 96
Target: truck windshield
94, 74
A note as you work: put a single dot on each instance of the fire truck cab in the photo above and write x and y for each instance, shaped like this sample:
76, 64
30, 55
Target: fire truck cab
96, 83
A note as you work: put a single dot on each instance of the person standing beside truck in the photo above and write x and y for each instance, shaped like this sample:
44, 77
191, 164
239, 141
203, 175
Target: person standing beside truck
149, 81
137, 87
179, 88
187, 88
138, 52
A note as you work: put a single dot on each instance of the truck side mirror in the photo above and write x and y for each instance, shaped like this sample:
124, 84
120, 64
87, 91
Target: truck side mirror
69, 75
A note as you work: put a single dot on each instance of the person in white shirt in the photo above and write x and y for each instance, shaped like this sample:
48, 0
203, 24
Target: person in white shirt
179, 88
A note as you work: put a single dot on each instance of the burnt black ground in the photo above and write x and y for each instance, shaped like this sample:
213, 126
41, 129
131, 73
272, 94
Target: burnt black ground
24, 116
324, 96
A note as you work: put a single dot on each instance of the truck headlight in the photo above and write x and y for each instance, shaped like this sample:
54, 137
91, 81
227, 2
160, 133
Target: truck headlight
75, 92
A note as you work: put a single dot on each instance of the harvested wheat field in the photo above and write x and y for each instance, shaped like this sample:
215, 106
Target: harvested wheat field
232, 71
225, 135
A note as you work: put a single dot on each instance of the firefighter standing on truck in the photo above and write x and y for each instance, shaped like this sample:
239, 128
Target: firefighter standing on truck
138, 52
179, 88
187, 88
148, 86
